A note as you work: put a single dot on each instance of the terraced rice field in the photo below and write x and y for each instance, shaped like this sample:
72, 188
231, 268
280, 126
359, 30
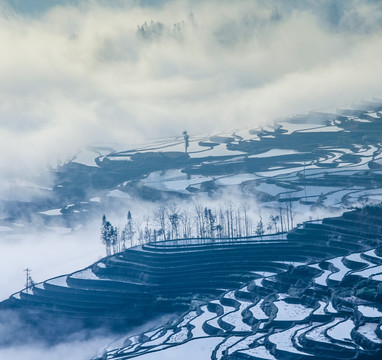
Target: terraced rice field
309, 295
316, 161
314, 292
311, 322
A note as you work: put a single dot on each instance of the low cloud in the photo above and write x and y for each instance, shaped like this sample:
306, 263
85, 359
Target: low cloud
76, 350
49, 253
91, 72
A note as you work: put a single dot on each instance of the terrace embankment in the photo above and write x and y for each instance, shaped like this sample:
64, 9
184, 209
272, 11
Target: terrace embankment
324, 309
173, 276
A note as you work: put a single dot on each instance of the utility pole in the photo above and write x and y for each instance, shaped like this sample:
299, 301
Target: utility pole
29, 283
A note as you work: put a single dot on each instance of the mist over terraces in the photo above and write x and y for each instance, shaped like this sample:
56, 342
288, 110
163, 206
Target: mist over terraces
257, 297
320, 299
200, 261
317, 160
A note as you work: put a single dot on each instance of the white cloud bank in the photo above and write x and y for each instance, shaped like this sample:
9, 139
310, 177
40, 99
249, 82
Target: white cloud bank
78, 74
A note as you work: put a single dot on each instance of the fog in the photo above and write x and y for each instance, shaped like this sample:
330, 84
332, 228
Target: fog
53, 251
79, 345
81, 349
90, 72
47, 253
76, 73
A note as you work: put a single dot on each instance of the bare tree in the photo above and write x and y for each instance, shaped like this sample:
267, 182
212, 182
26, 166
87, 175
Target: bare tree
270, 226
147, 230
245, 209
291, 211
238, 223
229, 220
200, 228
273, 221
185, 220
212, 222
174, 218
161, 218
139, 230
221, 230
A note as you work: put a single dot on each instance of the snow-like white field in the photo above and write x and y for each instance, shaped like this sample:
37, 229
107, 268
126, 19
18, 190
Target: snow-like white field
371, 271
338, 276
292, 127
321, 309
189, 316
173, 180
52, 212
275, 152
369, 311
342, 330
373, 254
119, 158
271, 189
162, 337
219, 150
357, 258
282, 171
119, 194
226, 309
257, 312
234, 318
178, 337
59, 281
200, 349
368, 330
85, 274
291, 312
264, 274
330, 309
245, 342
260, 352
198, 331
229, 342
235, 179
318, 333
214, 322
283, 340
321, 279
86, 157
375, 115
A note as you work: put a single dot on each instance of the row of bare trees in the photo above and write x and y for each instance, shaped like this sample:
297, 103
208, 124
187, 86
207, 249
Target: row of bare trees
171, 222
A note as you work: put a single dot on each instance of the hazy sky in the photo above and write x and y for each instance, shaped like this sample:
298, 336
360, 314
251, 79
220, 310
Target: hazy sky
88, 71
